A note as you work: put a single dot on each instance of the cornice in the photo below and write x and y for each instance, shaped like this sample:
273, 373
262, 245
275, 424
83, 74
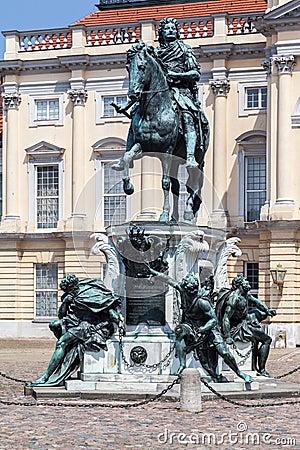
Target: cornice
268, 27
228, 51
118, 60
63, 63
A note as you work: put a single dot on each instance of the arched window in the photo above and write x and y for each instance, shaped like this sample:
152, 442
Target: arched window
252, 174
112, 202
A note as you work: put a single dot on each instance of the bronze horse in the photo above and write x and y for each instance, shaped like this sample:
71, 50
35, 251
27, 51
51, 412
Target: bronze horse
155, 129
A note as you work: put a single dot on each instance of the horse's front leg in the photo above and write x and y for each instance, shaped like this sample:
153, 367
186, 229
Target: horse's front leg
127, 160
165, 160
194, 185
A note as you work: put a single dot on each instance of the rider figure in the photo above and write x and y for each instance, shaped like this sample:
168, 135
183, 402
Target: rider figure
182, 72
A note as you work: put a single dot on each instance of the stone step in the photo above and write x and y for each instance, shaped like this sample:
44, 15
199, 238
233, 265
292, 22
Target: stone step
128, 378
150, 387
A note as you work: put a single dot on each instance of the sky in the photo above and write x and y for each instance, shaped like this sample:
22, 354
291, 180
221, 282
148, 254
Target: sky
24, 16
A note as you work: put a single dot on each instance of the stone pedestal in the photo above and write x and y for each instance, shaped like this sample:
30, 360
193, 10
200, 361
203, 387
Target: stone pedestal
145, 359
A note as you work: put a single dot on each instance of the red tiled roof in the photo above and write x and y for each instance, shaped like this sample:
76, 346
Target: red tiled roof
179, 11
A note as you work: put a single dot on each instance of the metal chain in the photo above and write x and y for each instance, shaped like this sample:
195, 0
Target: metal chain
245, 405
13, 379
97, 405
287, 373
244, 357
128, 365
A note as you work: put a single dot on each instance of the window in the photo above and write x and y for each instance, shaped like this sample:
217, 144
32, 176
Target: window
105, 112
251, 272
46, 290
47, 196
111, 201
256, 98
45, 172
252, 174
107, 109
255, 186
253, 97
114, 197
46, 109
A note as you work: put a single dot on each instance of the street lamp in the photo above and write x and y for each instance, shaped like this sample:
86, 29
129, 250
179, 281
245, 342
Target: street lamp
278, 275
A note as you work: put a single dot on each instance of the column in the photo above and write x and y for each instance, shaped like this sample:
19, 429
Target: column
78, 96
284, 162
220, 89
148, 189
11, 103
265, 209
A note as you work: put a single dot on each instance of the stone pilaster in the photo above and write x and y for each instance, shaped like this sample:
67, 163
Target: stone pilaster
78, 97
11, 103
285, 195
220, 89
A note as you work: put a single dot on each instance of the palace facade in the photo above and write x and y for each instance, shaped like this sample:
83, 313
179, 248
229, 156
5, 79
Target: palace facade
61, 135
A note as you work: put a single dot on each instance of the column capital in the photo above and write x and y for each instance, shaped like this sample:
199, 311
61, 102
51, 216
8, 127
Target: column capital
11, 101
220, 87
284, 63
78, 96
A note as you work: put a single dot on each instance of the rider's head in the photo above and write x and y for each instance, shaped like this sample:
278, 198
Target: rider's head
168, 30
190, 283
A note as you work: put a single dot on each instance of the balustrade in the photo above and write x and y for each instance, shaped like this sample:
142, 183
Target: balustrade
241, 24
111, 34
46, 40
196, 28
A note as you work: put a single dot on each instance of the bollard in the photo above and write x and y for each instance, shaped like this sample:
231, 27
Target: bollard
190, 391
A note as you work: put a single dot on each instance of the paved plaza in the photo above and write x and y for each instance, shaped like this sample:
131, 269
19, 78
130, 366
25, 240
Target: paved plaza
154, 426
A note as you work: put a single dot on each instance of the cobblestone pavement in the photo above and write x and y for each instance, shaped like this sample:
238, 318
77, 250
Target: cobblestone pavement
153, 426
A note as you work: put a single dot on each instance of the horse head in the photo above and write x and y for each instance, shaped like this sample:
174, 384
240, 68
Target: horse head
138, 69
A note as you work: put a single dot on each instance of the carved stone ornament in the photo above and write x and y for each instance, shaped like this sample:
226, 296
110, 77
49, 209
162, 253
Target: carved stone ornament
267, 66
138, 355
11, 101
228, 248
284, 63
103, 245
191, 248
220, 87
78, 96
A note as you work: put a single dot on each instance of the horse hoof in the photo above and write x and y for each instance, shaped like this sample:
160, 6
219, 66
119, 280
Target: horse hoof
128, 187
118, 166
164, 217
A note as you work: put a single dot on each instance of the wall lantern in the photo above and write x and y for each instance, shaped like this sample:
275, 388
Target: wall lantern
278, 275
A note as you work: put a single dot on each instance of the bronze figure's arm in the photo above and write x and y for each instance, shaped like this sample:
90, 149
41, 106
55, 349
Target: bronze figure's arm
210, 314
261, 305
164, 277
226, 321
